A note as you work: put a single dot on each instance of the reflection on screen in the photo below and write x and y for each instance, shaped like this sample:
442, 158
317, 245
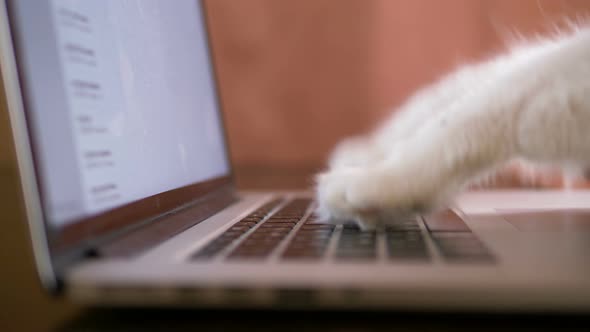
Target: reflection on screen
122, 98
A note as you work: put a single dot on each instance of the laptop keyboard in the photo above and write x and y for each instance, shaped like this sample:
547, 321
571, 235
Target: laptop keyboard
310, 241
240, 228
288, 230
261, 243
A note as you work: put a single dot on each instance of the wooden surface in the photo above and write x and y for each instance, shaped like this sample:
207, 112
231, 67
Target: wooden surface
23, 304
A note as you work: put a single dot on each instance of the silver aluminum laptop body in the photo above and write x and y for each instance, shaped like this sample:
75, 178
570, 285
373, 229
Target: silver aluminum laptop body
123, 211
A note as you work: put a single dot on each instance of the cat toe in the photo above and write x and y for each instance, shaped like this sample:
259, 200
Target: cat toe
334, 190
331, 196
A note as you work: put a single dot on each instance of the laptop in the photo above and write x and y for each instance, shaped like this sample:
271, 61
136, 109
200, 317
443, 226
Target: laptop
130, 201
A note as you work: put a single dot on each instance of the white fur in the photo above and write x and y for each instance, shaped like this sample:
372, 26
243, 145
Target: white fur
532, 102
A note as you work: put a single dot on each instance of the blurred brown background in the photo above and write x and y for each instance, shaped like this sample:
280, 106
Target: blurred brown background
296, 76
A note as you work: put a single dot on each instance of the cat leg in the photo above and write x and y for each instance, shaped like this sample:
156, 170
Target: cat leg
355, 152
422, 106
421, 174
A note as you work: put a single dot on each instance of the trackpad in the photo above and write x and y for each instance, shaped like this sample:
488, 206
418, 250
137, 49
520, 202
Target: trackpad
566, 220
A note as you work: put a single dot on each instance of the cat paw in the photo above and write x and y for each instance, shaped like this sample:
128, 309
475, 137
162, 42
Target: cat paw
334, 202
371, 196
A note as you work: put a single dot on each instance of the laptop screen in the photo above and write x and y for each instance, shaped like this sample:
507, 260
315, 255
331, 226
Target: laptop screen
121, 101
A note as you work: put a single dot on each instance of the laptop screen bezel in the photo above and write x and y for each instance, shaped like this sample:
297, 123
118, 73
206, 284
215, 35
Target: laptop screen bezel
83, 233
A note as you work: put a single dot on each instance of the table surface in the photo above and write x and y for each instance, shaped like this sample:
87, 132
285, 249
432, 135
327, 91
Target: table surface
25, 307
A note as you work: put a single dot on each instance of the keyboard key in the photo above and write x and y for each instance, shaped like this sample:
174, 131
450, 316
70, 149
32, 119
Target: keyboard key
273, 219
406, 246
276, 226
264, 210
262, 232
310, 237
310, 242
288, 224
261, 243
308, 226
294, 209
356, 244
